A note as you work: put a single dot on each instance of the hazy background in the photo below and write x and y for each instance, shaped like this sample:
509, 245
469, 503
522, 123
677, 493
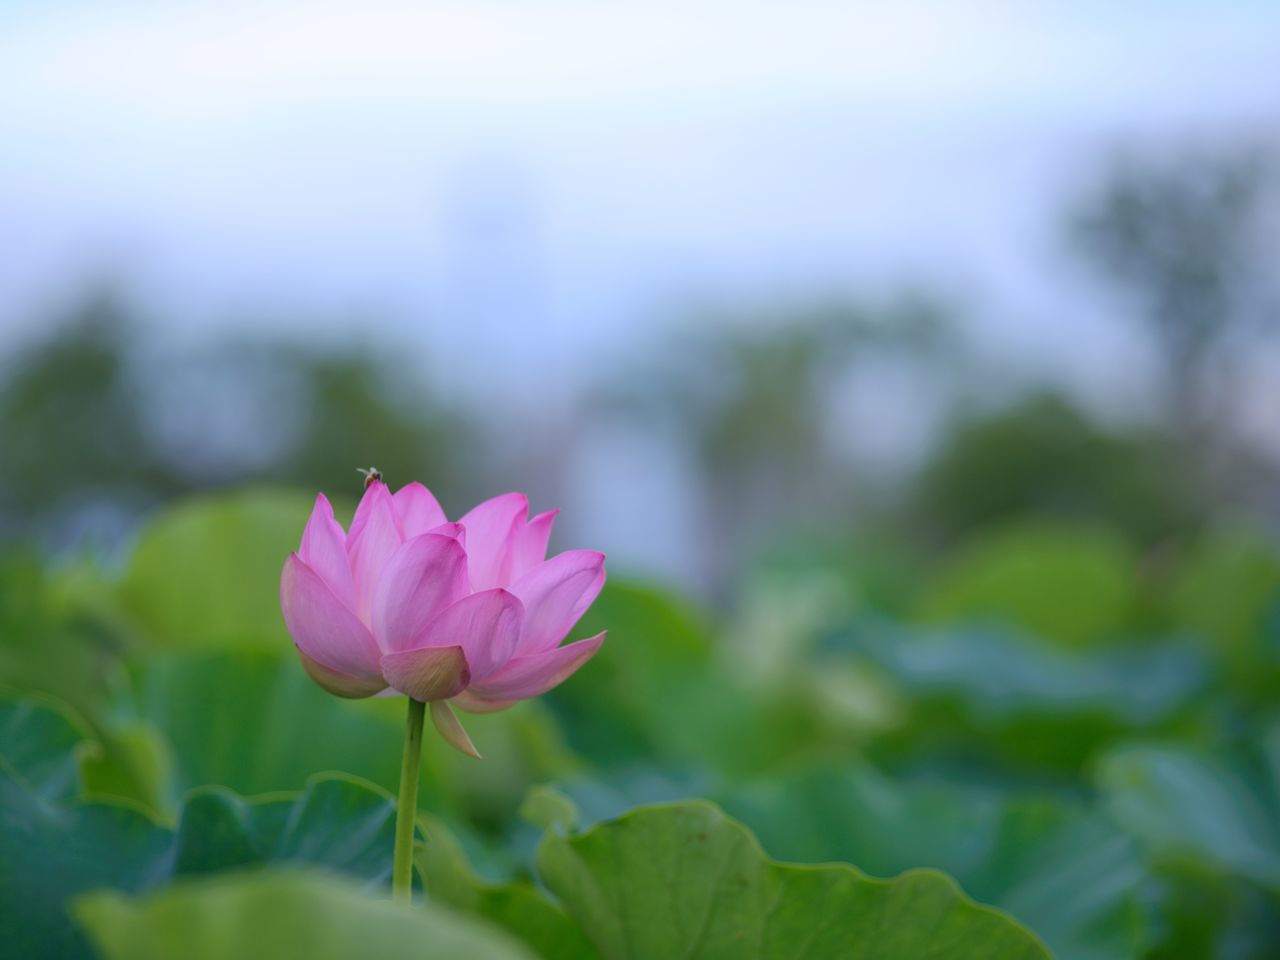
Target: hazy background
705, 275
916, 365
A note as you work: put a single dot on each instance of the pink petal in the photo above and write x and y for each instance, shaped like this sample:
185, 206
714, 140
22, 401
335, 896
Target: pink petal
418, 509
556, 593
423, 576
530, 547
323, 627
530, 676
455, 531
433, 673
374, 495
447, 725
486, 625
491, 530
324, 550
339, 684
375, 536
472, 702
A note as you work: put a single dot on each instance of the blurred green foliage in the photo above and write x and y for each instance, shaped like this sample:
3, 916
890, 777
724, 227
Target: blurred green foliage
749, 397
1228, 595
208, 572
1087, 777
1067, 584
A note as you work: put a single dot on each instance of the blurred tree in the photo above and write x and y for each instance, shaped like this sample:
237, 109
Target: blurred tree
751, 396
91, 422
1191, 240
278, 411
365, 408
1044, 458
69, 423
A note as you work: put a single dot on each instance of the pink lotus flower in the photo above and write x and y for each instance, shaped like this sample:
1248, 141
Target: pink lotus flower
468, 612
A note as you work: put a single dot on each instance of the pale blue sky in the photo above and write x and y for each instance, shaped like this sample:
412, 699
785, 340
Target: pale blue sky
524, 190
549, 178
456, 167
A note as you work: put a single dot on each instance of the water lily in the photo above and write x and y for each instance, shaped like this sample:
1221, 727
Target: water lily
469, 613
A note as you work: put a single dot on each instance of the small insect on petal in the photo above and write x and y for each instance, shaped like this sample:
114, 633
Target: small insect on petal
372, 475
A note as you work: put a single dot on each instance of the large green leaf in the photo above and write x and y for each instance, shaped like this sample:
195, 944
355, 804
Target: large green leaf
274, 915
1069, 875
53, 751
254, 722
54, 846
336, 822
50, 853
207, 571
518, 907
684, 880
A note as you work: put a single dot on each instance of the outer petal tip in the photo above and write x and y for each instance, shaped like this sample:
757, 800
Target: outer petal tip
533, 675
417, 508
324, 549
556, 593
375, 536
493, 529
529, 547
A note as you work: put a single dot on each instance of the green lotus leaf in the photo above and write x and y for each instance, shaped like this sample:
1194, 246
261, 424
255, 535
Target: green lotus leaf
684, 880
276, 914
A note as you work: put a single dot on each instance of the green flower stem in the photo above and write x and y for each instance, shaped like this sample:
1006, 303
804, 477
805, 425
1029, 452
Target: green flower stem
407, 808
